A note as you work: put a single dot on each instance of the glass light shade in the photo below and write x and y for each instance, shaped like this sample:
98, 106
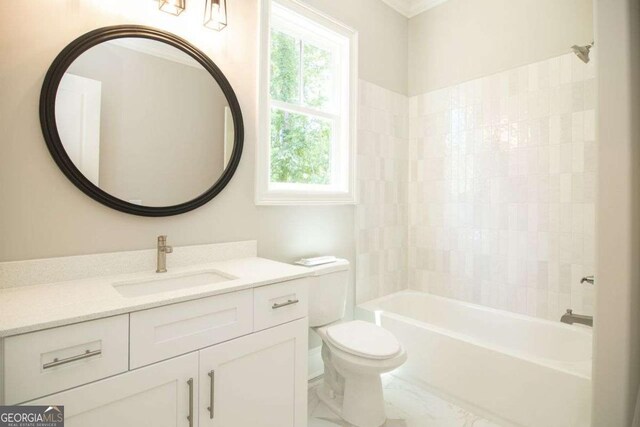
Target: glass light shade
174, 7
215, 14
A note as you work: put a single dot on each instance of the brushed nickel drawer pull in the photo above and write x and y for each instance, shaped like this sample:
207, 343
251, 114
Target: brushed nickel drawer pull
190, 416
212, 376
284, 304
58, 362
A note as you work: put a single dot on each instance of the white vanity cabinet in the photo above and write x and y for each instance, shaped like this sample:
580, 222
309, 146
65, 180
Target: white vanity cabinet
237, 359
164, 332
256, 381
159, 395
52, 360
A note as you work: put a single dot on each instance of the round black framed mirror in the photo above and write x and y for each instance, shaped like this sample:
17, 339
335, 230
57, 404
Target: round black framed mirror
141, 120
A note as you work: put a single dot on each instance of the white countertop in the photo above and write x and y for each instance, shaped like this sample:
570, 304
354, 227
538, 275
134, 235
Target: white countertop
31, 308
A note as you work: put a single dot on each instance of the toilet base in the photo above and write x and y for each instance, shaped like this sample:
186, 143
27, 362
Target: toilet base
330, 399
364, 402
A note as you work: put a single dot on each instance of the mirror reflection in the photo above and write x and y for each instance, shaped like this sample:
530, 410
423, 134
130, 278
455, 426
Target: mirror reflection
144, 122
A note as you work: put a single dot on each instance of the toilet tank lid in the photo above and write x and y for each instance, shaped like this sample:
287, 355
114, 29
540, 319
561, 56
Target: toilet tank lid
338, 265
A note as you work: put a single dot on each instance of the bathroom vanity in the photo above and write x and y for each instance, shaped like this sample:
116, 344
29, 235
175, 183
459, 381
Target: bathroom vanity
212, 335
218, 343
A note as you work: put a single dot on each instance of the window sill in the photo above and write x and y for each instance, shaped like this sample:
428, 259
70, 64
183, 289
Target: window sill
303, 203
305, 200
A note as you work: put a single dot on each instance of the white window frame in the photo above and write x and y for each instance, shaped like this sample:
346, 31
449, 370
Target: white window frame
343, 191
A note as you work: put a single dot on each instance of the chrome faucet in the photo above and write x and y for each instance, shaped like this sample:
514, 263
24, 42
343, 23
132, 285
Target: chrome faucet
163, 250
589, 279
569, 318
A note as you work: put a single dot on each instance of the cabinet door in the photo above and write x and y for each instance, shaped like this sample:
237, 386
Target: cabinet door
158, 396
256, 381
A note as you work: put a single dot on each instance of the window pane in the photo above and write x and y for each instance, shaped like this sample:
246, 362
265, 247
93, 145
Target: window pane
318, 77
300, 148
285, 67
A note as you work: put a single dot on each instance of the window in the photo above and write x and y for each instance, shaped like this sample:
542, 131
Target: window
306, 147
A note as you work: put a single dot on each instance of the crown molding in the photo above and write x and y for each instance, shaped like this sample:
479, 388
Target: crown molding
411, 8
402, 6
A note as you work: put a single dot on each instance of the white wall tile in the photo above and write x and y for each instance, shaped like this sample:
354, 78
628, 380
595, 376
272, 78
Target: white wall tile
565, 69
383, 182
483, 191
501, 188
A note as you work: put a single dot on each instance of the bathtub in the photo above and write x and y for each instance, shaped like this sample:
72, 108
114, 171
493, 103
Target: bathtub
514, 369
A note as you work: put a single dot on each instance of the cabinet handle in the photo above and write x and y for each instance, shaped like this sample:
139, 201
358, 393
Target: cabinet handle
284, 304
58, 362
190, 416
212, 376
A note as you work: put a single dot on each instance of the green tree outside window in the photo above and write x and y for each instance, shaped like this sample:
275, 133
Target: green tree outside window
301, 74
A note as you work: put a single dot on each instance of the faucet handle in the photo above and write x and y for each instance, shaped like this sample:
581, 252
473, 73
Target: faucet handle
589, 279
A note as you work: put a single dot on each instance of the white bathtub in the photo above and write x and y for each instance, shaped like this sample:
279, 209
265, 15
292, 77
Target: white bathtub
516, 369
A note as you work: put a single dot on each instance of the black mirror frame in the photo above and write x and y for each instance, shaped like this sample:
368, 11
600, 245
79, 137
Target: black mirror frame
50, 130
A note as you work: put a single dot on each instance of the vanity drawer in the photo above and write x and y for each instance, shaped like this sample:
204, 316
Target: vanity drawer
53, 360
164, 332
280, 303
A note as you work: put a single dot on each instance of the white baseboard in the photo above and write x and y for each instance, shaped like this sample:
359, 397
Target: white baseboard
316, 367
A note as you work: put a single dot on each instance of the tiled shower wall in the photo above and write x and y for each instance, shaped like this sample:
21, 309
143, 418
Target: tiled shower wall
381, 214
502, 175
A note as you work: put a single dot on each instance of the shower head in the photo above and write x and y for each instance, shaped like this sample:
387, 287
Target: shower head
582, 52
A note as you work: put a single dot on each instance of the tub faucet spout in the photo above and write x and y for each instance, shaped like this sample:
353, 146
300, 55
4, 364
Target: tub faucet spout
569, 318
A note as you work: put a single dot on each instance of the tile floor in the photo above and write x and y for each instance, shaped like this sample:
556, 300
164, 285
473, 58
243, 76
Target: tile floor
407, 405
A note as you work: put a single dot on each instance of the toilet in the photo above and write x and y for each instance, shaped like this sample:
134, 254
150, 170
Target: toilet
355, 353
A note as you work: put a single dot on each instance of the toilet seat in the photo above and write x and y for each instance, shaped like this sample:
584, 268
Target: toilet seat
364, 339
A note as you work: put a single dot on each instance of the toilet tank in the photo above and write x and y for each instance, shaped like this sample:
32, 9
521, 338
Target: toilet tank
328, 292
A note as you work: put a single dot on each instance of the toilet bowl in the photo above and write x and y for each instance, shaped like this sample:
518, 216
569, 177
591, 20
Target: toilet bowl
354, 353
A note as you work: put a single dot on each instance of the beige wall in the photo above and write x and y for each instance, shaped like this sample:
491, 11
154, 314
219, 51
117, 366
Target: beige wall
383, 36
44, 215
617, 329
462, 40
162, 125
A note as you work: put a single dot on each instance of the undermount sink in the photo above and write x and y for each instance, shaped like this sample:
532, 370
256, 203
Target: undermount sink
170, 282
